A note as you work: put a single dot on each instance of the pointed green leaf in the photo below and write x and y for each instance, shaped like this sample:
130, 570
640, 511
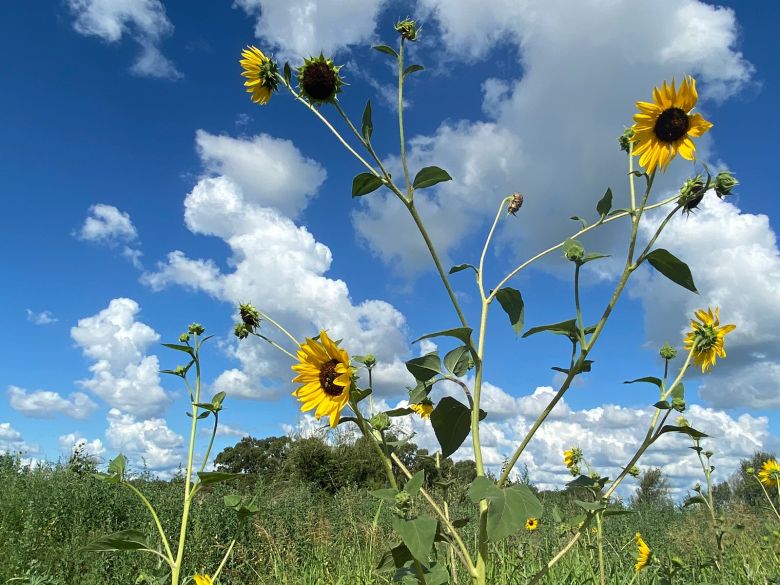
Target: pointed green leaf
368, 126
694, 500
568, 328
690, 431
459, 267
662, 405
412, 69
365, 183
387, 50
579, 219
415, 483
451, 421
395, 558
508, 509
212, 477
122, 540
287, 73
482, 488
458, 360
648, 379
512, 302
118, 465
177, 347
604, 204
593, 256
462, 333
387, 494
429, 176
425, 367
417, 535
399, 412
672, 268
419, 392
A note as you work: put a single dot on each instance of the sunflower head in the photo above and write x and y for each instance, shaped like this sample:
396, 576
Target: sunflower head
769, 474
422, 409
202, 580
262, 74
643, 553
326, 376
691, 193
531, 524
724, 183
666, 126
625, 139
667, 352
249, 315
319, 80
634, 472
196, 329
408, 29
706, 338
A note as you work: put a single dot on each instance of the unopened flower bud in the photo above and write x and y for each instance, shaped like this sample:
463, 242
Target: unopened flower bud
402, 500
691, 193
408, 29
249, 315
179, 370
750, 470
381, 421
708, 454
196, 329
369, 360
573, 250
724, 183
184, 337
634, 472
515, 204
667, 352
625, 139
241, 331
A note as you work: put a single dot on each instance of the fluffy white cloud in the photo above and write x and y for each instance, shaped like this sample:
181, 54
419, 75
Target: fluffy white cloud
46, 404
224, 430
108, 226
735, 263
545, 138
93, 449
11, 441
148, 442
144, 21
275, 263
122, 375
300, 28
42, 318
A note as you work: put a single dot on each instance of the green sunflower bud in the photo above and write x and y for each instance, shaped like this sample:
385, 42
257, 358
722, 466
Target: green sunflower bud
196, 329
319, 80
625, 139
402, 500
750, 470
708, 454
724, 183
369, 360
573, 250
241, 330
184, 337
179, 370
408, 29
381, 421
667, 352
515, 204
634, 472
691, 193
249, 315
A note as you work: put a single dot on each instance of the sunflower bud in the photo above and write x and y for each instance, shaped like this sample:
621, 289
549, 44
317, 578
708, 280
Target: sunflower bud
667, 352
249, 315
241, 330
691, 193
625, 139
196, 329
515, 204
724, 183
381, 421
408, 29
319, 80
403, 500
573, 250
750, 470
180, 371
634, 472
369, 360
708, 454
184, 337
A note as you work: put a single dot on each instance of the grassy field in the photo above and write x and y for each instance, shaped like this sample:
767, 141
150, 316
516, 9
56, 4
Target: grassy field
304, 536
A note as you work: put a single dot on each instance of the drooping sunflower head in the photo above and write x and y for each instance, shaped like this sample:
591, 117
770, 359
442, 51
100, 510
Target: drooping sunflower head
769, 474
261, 74
572, 458
666, 125
643, 553
706, 338
202, 580
326, 377
422, 409
531, 524
319, 80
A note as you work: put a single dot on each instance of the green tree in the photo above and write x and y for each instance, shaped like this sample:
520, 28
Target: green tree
263, 457
745, 487
653, 489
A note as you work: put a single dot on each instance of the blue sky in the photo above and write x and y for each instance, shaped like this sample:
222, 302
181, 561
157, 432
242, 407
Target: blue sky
136, 118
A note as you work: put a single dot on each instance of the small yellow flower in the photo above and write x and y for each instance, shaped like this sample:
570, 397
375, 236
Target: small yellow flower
643, 553
423, 409
323, 369
665, 126
261, 73
531, 524
706, 338
202, 580
568, 458
769, 473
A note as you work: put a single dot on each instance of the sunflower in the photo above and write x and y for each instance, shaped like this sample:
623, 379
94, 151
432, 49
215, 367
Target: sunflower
665, 126
531, 524
423, 409
706, 338
568, 458
319, 80
202, 580
261, 73
643, 553
323, 369
769, 474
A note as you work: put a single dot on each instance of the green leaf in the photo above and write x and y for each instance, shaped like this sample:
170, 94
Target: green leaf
567, 328
287, 73
694, 500
672, 268
415, 483
387, 494
592, 256
412, 69
359, 394
458, 360
604, 204
212, 477
368, 126
588, 482
512, 302
117, 466
217, 400
387, 50
508, 508
419, 392
417, 535
177, 347
451, 421
678, 392
648, 379
482, 488
591, 506
122, 540
395, 558
579, 219
365, 183
584, 367
429, 176
399, 411
690, 431
556, 515
462, 333
459, 267
662, 405
425, 367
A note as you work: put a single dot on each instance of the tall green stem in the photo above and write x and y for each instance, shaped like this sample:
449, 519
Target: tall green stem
409, 191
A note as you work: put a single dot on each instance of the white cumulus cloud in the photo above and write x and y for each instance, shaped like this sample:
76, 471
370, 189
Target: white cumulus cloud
148, 442
93, 449
108, 226
47, 404
11, 441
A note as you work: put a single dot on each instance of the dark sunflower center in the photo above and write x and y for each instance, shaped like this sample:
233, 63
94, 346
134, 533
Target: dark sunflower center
671, 125
319, 81
328, 376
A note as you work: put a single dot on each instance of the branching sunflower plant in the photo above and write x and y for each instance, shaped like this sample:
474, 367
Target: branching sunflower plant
329, 382
170, 552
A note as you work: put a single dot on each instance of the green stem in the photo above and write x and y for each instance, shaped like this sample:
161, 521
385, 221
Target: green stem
156, 519
280, 328
600, 543
224, 561
409, 190
580, 324
211, 442
365, 142
276, 345
363, 426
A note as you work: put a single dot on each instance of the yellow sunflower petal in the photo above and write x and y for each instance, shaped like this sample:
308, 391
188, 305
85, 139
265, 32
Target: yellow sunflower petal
687, 149
697, 125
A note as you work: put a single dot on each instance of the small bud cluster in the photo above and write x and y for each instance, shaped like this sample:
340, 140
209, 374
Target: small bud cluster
250, 320
691, 193
724, 183
634, 472
667, 352
574, 251
196, 329
625, 139
408, 29
380, 422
